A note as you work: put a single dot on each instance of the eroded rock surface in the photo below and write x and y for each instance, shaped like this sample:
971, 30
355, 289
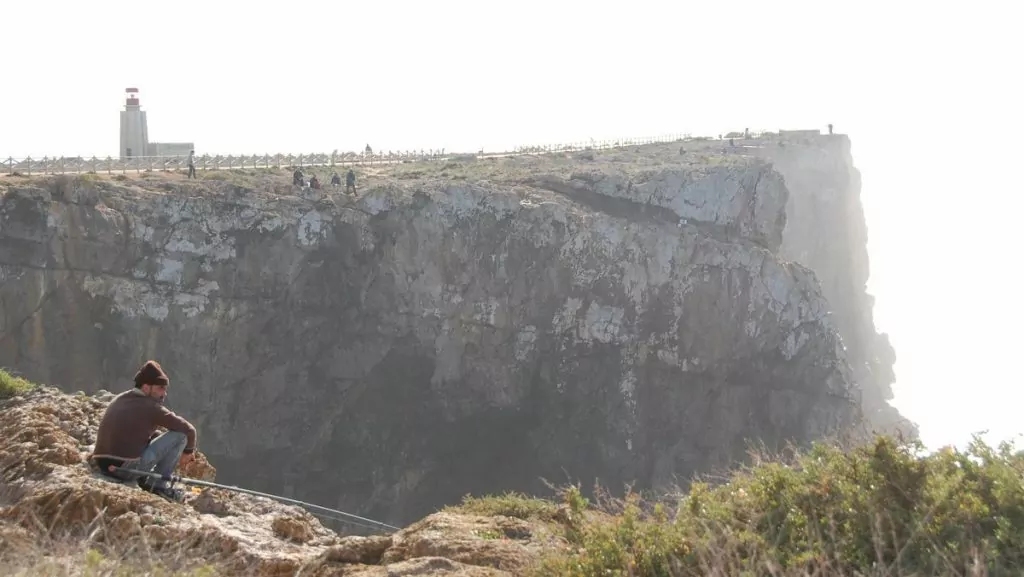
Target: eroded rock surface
458, 328
826, 231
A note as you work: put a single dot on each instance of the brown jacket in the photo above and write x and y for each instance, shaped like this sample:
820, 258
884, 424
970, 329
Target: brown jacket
130, 421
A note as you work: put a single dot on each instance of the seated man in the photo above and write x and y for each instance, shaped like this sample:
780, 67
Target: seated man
128, 437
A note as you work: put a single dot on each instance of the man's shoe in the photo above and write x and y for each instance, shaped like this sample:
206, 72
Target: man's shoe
172, 495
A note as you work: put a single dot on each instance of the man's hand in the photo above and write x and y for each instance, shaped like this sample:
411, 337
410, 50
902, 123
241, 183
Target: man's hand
186, 458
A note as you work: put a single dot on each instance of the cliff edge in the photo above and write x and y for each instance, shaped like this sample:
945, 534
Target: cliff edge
827, 232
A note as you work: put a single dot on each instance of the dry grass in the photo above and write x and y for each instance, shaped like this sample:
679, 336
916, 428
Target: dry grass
75, 560
98, 552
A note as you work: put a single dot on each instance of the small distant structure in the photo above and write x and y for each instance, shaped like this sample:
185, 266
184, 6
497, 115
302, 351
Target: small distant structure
135, 132
797, 133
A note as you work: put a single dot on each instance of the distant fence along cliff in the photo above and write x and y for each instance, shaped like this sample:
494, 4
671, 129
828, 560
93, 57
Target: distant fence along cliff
73, 165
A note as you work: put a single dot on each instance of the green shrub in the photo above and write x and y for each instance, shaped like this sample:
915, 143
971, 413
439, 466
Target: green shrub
882, 509
11, 386
509, 504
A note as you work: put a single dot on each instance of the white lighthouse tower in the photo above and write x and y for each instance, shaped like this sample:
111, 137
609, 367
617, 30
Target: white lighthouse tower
134, 133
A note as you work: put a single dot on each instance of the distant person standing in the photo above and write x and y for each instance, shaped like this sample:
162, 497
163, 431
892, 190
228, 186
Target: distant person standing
191, 164
830, 129
350, 182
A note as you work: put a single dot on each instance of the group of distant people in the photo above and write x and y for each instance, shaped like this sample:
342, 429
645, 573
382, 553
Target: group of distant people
299, 179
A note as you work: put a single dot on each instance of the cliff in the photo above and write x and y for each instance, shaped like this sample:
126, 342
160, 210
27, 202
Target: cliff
826, 231
463, 327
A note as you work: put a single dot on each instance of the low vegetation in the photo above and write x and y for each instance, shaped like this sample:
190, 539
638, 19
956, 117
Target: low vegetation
884, 509
510, 505
11, 386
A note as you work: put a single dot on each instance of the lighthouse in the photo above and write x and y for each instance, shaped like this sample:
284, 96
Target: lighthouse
134, 132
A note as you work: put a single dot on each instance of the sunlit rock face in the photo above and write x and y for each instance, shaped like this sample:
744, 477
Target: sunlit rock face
463, 327
827, 232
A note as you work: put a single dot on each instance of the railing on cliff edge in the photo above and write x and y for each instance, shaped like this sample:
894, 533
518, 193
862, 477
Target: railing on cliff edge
78, 165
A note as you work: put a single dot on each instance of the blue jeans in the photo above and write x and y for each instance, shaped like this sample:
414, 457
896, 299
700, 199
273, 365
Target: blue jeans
161, 457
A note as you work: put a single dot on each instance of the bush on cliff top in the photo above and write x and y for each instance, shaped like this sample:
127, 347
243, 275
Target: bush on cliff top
510, 505
882, 510
11, 386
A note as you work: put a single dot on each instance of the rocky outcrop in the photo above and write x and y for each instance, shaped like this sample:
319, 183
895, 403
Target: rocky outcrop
827, 232
458, 328
48, 494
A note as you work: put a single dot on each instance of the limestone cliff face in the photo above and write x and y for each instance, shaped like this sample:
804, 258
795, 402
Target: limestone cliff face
457, 328
826, 231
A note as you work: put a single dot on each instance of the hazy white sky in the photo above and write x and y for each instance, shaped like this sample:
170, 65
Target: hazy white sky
929, 92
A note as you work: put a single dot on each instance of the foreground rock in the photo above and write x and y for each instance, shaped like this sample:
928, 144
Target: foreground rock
466, 327
48, 492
